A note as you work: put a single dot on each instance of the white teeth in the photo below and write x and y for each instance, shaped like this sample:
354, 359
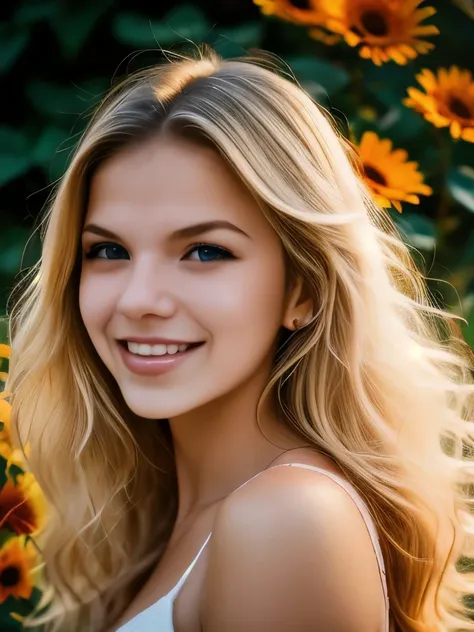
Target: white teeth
155, 350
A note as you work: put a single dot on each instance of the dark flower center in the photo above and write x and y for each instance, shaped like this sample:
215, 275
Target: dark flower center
374, 174
300, 4
459, 108
10, 576
374, 23
16, 514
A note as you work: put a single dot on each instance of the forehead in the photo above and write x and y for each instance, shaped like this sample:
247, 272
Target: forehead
171, 182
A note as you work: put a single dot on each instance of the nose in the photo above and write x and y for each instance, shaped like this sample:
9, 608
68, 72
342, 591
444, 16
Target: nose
147, 290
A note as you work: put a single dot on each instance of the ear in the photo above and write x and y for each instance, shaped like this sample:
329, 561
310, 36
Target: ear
299, 306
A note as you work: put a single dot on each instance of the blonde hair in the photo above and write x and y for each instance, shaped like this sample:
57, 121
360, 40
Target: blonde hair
380, 379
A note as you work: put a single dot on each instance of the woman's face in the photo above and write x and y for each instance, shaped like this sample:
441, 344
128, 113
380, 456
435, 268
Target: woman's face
183, 254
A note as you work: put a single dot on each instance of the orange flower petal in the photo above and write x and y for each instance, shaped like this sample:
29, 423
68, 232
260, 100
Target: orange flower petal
429, 29
426, 12
455, 129
397, 205
468, 134
388, 173
427, 80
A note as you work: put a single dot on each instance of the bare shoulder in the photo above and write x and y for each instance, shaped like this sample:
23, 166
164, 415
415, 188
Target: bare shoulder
291, 551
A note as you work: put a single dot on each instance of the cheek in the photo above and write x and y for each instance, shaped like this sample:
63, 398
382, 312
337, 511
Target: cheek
95, 313
246, 308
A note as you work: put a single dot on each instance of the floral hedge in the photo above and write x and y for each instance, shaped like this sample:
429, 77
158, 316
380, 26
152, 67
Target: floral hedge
395, 75
22, 516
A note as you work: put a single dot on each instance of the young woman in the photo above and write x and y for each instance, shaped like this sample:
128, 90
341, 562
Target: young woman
243, 409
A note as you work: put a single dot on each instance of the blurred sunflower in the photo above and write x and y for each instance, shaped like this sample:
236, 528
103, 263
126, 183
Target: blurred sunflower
388, 173
17, 561
448, 100
384, 29
305, 12
11, 455
22, 506
4, 353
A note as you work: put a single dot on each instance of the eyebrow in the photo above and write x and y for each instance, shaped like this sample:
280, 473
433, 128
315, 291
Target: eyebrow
182, 233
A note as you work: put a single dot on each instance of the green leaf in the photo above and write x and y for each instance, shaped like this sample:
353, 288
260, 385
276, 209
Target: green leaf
52, 151
14, 471
4, 329
13, 42
134, 29
8, 623
5, 535
461, 186
29, 13
400, 123
419, 230
318, 76
14, 157
468, 330
48, 144
3, 471
12, 245
246, 35
73, 25
52, 99
186, 21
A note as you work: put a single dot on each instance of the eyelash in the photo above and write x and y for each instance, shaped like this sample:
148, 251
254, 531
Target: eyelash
226, 254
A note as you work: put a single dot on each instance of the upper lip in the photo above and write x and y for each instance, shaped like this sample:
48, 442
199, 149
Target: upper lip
156, 341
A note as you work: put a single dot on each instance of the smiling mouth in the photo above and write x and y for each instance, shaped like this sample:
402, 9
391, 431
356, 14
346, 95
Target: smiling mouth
153, 365
180, 351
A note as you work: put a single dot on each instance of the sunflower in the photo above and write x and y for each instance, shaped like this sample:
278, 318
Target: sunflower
17, 560
12, 455
22, 506
448, 100
5, 413
384, 29
4, 353
306, 12
387, 172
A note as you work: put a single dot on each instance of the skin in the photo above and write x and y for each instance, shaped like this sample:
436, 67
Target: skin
303, 529
151, 285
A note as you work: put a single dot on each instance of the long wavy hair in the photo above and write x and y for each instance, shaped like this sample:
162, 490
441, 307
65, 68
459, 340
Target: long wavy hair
380, 380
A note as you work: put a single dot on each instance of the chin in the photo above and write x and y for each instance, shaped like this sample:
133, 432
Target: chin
156, 406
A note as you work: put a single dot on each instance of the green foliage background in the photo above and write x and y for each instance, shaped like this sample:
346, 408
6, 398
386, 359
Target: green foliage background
58, 58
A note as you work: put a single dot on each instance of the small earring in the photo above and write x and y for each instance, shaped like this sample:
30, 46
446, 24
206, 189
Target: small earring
296, 323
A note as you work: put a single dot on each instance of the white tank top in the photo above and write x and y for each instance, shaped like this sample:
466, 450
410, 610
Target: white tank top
159, 616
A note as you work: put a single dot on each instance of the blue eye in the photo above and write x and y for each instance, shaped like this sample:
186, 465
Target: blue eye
205, 252
114, 248
208, 252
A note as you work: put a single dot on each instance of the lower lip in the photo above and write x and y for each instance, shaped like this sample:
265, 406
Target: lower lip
153, 365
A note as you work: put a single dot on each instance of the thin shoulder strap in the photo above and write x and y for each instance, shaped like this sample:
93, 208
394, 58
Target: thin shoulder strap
175, 590
361, 505
359, 502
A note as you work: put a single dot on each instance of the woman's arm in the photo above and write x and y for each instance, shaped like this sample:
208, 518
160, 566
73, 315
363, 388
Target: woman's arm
290, 552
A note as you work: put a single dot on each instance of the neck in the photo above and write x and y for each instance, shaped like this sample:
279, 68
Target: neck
219, 446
